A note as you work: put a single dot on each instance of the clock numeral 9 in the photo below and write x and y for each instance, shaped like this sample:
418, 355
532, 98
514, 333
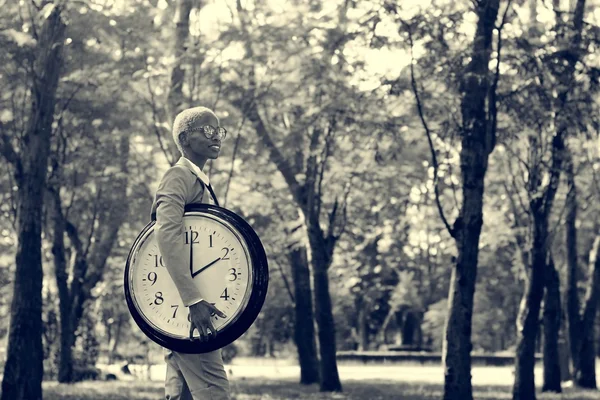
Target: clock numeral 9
152, 277
158, 299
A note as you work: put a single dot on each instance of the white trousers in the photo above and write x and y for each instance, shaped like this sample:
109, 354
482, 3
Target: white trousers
196, 376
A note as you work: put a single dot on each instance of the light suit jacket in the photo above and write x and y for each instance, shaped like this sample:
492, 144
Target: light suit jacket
179, 186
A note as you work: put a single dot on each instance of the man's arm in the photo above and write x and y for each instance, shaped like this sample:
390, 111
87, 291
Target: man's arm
169, 231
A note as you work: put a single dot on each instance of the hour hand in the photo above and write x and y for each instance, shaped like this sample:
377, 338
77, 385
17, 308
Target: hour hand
206, 266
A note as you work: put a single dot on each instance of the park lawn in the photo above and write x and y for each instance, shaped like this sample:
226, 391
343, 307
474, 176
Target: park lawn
259, 389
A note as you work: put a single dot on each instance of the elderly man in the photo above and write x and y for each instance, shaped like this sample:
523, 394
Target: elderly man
198, 135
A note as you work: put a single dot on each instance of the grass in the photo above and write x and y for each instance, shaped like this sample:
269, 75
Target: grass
286, 389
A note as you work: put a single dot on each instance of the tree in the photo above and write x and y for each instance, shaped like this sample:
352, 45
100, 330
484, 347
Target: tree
89, 256
23, 370
304, 328
541, 197
478, 139
477, 88
580, 320
307, 194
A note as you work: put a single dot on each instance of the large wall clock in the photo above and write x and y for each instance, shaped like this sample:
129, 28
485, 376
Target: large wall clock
231, 264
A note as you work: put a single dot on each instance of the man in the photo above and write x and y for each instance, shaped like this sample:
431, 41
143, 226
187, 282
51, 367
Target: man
197, 134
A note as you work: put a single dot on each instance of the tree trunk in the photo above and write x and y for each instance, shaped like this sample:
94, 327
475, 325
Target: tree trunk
304, 330
23, 371
115, 340
586, 372
552, 320
540, 206
363, 326
478, 138
528, 326
67, 338
175, 99
411, 329
573, 305
321, 258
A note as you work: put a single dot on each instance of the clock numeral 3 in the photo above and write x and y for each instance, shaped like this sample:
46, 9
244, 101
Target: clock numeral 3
158, 299
233, 274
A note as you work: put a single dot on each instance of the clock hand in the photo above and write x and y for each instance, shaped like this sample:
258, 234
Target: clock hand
206, 266
192, 258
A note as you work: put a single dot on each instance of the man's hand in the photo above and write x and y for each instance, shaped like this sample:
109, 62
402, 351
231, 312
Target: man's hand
200, 314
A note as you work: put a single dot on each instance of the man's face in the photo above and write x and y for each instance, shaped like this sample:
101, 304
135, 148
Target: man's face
198, 143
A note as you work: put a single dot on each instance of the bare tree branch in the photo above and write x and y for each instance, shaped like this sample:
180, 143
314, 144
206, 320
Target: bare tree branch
9, 152
492, 92
92, 223
434, 161
233, 156
324, 158
286, 283
155, 122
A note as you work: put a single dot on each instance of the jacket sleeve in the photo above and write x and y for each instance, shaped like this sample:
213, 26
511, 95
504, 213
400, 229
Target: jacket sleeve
169, 231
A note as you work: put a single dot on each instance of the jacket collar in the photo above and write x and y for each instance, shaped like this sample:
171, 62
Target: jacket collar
183, 161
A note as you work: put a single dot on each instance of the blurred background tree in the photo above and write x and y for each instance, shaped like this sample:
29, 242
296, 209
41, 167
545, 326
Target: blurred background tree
328, 157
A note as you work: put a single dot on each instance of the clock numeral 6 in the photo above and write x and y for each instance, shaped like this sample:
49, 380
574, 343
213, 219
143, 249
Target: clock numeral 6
158, 299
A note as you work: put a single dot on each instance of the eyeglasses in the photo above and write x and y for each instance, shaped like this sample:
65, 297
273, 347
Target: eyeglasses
211, 132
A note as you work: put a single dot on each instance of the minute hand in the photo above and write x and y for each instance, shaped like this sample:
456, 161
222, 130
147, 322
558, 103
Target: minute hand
206, 266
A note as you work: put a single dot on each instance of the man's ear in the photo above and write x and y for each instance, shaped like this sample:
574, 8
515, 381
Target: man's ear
183, 139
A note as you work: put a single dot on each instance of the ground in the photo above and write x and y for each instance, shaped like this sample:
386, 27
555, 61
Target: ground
284, 389
277, 380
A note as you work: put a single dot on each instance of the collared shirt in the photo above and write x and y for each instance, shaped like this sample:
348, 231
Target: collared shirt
196, 170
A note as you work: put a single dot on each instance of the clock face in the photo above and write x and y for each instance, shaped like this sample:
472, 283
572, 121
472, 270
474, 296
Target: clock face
220, 266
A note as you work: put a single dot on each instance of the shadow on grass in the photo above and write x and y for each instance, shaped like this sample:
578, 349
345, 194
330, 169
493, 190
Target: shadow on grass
259, 389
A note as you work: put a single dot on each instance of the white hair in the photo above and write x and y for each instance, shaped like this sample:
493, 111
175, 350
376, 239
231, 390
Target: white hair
186, 119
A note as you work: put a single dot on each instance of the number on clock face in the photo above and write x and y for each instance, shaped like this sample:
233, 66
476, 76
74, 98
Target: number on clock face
222, 274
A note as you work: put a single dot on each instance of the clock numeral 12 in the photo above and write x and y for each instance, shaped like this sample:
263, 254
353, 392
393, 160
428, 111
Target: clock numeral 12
193, 235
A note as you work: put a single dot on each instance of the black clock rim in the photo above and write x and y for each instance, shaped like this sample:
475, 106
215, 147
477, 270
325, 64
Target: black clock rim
247, 317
